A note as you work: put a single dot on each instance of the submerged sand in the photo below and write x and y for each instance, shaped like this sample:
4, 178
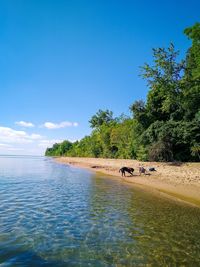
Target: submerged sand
180, 180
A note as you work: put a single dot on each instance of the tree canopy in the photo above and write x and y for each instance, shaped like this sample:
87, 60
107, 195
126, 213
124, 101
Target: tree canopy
100, 118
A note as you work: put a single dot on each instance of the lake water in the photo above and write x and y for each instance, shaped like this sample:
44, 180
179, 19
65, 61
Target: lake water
56, 215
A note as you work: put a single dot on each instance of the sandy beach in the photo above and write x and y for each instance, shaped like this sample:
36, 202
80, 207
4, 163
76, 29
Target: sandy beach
179, 180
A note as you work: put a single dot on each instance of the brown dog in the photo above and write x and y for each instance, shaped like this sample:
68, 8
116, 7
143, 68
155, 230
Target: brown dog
123, 170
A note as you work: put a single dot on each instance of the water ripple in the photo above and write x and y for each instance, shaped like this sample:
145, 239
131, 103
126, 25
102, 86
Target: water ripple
54, 215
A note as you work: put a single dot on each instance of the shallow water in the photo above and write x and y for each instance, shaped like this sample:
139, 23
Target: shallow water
55, 215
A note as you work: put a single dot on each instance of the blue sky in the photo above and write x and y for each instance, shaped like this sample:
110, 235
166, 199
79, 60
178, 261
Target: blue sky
61, 61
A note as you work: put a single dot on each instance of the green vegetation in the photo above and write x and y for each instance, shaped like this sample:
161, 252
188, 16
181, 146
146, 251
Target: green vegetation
164, 128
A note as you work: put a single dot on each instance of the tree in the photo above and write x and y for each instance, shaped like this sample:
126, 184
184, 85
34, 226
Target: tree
191, 100
193, 55
164, 79
100, 118
124, 136
65, 146
138, 109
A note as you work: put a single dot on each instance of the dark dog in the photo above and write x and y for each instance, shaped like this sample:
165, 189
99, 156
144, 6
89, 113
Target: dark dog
123, 170
152, 169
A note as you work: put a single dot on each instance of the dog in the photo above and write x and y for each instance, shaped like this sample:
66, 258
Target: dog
152, 169
123, 170
142, 170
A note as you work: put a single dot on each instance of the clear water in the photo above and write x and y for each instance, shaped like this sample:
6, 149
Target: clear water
55, 215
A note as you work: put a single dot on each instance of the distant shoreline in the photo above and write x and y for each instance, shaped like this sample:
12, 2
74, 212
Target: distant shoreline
179, 181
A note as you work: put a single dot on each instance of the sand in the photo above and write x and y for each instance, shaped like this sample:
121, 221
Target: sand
178, 180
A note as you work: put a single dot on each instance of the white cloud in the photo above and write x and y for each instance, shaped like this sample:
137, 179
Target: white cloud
9, 135
7, 150
4, 146
25, 124
48, 143
15, 149
63, 124
35, 136
22, 142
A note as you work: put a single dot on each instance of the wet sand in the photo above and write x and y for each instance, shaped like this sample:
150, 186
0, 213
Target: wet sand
179, 180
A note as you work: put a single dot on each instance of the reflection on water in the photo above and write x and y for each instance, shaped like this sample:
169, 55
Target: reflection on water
54, 215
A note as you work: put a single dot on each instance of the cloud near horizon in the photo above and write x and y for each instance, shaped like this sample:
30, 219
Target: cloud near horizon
44, 143
49, 142
63, 124
22, 142
25, 124
9, 135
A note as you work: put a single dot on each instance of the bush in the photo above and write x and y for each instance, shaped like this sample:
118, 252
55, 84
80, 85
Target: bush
160, 151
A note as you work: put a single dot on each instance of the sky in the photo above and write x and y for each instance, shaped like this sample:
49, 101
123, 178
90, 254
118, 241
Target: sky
63, 60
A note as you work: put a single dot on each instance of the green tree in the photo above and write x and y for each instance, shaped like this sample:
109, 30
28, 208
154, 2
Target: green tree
65, 146
139, 111
124, 138
191, 80
164, 79
100, 118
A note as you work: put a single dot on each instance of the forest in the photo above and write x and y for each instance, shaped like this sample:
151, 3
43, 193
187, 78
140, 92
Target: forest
165, 127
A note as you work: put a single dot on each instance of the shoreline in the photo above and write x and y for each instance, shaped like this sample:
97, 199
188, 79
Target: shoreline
180, 181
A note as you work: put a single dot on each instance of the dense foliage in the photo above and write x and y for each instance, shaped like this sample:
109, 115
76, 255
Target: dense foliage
164, 128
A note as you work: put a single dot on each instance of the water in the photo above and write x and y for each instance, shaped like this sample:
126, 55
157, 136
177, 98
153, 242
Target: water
55, 215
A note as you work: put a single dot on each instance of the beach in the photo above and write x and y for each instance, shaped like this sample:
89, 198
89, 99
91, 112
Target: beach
177, 180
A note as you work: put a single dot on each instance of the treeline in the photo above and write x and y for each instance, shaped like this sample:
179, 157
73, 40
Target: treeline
164, 128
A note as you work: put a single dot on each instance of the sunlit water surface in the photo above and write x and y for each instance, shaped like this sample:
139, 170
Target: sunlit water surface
55, 215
